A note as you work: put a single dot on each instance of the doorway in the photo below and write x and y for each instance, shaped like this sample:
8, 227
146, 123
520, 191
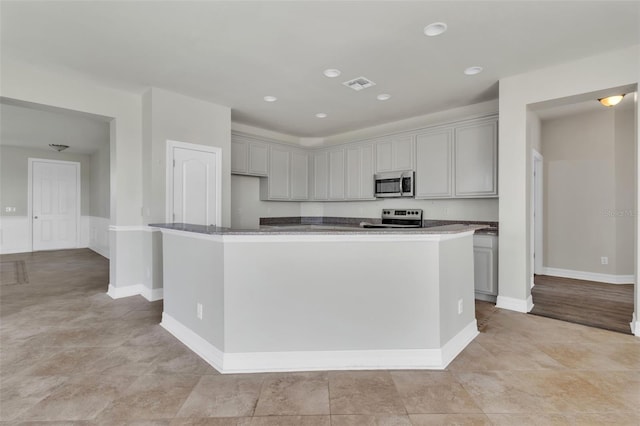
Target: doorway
194, 183
54, 204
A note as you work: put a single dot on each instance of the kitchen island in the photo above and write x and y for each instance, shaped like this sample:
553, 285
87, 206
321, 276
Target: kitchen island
319, 298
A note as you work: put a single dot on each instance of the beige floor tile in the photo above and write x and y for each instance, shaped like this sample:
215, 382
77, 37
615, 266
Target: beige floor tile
181, 360
593, 356
364, 392
612, 419
370, 420
291, 421
66, 361
449, 419
622, 386
223, 396
474, 358
150, 397
18, 394
80, 398
294, 394
213, 421
433, 392
538, 419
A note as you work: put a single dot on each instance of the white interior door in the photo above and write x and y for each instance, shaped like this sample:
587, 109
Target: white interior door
195, 185
55, 204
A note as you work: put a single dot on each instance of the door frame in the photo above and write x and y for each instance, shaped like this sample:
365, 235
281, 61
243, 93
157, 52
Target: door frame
537, 222
171, 144
30, 195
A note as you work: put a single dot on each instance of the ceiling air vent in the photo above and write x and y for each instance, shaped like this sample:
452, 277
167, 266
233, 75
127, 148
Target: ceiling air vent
359, 83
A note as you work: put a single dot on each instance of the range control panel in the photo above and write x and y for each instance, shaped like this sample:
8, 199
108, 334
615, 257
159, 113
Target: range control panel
402, 214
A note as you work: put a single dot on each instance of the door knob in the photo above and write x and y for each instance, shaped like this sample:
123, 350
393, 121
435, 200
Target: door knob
35, 217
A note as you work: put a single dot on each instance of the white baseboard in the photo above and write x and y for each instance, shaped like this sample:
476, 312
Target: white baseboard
589, 276
255, 362
513, 304
151, 294
635, 325
197, 344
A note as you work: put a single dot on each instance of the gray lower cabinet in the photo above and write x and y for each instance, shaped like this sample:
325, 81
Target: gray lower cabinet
485, 265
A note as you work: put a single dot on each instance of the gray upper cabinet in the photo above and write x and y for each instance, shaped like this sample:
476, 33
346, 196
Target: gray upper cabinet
249, 157
476, 154
359, 172
336, 174
394, 153
320, 175
278, 185
434, 162
299, 175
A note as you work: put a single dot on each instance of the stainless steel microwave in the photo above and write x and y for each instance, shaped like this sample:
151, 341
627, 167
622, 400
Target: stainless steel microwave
394, 184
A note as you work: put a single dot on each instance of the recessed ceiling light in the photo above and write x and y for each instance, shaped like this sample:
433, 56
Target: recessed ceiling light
332, 72
435, 29
383, 96
270, 98
321, 115
473, 70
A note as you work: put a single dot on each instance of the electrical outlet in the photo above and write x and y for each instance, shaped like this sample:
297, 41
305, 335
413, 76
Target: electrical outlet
199, 310
459, 306
604, 260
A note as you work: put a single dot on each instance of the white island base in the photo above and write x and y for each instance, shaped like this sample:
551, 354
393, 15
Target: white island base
299, 302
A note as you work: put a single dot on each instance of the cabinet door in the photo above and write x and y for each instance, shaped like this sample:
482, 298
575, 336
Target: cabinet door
366, 172
279, 176
258, 159
321, 175
353, 173
402, 156
239, 156
299, 176
434, 164
384, 150
476, 153
483, 270
336, 174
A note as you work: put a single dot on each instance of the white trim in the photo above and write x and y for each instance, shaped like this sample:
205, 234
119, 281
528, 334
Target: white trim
513, 304
197, 344
171, 144
267, 237
254, 362
30, 162
635, 326
151, 294
589, 276
128, 228
536, 214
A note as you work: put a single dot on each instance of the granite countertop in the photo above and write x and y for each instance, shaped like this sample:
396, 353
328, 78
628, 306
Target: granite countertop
317, 229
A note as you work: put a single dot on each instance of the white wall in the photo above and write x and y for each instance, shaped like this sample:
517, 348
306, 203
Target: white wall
585, 171
100, 182
625, 128
593, 75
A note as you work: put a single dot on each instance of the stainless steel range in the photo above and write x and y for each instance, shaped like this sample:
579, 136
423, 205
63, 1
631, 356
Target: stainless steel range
398, 218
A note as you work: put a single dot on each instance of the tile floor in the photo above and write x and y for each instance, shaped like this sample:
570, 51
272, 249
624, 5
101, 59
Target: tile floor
71, 355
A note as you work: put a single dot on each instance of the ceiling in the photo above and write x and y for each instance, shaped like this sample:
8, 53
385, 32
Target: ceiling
235, 53
26, 126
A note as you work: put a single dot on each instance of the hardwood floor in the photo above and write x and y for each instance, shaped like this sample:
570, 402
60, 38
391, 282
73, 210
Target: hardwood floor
607, 306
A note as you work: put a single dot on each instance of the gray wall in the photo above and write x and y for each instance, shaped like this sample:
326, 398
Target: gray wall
14, 164
94, 178
171, 116
588, 170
